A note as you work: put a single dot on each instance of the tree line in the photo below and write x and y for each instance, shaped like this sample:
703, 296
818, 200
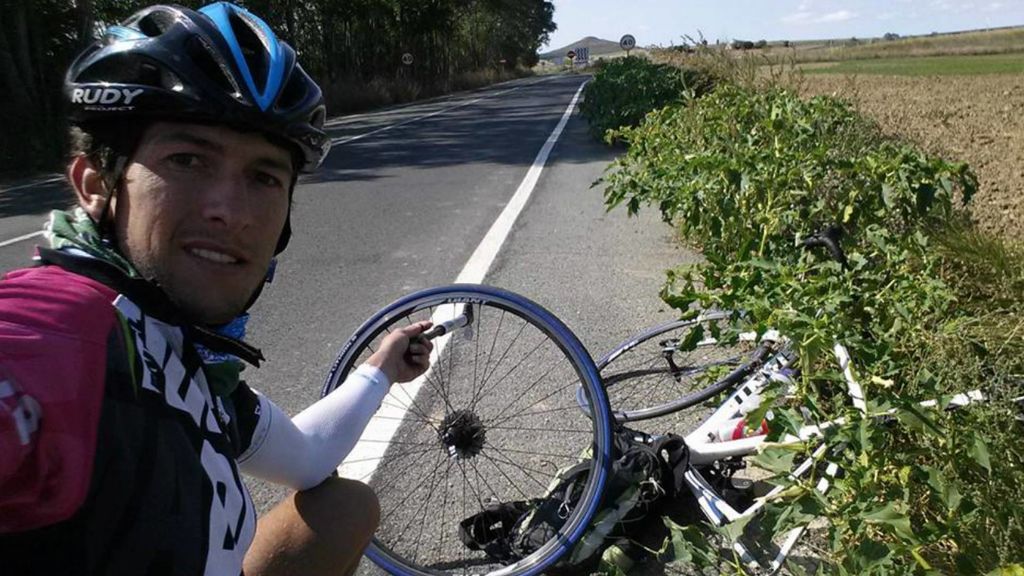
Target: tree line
347, 45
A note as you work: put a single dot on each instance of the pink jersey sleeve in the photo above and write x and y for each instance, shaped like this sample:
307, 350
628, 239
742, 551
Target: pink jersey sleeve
54, 329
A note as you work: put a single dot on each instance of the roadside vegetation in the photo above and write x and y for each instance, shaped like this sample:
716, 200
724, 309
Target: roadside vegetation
624, 90
353, 49
929, 306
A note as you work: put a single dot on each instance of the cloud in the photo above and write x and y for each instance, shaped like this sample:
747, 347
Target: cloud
807, 17
797, 17
840, 16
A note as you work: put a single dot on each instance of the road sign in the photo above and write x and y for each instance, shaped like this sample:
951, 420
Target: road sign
627, 43
571, 55
407, 59
582, 55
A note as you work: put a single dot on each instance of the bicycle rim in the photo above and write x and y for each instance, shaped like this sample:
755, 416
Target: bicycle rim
494, 419
674, 367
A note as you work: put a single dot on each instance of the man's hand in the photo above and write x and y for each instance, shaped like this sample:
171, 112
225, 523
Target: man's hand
403, 356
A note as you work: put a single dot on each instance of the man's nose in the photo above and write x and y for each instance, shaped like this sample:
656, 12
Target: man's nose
226, 201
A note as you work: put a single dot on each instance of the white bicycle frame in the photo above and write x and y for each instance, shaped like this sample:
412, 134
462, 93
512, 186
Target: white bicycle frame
705, 449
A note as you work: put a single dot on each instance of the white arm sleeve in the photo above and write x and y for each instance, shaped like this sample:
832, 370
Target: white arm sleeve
301, 452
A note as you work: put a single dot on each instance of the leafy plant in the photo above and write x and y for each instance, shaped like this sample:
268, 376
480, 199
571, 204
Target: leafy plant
623, 91
927, 306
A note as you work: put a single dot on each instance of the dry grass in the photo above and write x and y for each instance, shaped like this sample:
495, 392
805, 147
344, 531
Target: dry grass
986, 42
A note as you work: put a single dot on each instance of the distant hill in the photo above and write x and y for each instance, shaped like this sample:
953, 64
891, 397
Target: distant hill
598, 47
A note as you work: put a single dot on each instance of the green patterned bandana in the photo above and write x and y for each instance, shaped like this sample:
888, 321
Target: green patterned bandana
76, 230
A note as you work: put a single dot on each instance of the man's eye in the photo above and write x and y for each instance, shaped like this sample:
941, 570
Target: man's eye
184, 160
268, 180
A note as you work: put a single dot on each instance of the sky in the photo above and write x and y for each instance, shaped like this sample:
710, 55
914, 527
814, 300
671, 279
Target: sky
667, 22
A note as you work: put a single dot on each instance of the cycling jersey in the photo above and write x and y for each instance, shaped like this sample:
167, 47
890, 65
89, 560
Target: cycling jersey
115, 456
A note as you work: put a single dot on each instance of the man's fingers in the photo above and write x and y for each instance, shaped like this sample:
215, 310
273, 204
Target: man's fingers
418, 328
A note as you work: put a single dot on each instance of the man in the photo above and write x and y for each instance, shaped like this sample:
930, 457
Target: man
124, 424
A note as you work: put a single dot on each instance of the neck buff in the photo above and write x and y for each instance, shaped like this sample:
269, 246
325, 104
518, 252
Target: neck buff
75, 232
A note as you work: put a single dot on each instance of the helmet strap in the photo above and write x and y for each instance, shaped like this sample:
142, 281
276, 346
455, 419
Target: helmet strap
112, 182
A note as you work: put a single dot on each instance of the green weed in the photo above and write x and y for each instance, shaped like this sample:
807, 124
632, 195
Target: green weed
623, 91
928, 308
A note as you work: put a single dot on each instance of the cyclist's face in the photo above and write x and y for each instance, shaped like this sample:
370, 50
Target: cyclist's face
201, 211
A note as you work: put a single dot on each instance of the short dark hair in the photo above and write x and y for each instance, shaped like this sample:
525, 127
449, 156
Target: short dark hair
104, 145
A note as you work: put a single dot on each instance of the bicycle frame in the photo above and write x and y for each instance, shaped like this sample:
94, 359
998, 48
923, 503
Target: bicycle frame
705, 451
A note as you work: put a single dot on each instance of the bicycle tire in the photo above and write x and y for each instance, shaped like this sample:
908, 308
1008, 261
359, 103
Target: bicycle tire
657, 387
432, 406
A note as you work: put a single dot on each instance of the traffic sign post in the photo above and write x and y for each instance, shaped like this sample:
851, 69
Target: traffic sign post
582, 56
627, 43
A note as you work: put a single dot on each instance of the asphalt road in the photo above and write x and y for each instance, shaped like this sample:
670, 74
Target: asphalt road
404, 199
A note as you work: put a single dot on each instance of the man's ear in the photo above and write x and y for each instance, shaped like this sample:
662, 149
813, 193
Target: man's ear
90, 189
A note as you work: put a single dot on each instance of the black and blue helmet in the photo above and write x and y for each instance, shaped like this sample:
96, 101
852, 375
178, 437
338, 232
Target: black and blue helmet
219, 64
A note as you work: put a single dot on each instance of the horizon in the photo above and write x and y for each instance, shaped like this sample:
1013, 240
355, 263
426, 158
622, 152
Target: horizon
666, 23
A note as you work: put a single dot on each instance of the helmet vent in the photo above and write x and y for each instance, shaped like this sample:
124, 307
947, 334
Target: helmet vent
203, 58
295, 92
156, 22
254, 47
122, 69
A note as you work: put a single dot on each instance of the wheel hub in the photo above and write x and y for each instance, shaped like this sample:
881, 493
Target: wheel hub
463, 434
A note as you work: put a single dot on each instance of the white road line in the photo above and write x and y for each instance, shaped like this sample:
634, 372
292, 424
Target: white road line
362, 461
31, 184
20, 238
342, 141
480, 262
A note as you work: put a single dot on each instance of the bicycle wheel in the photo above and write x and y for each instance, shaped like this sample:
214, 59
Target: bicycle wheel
494, 419
674, 366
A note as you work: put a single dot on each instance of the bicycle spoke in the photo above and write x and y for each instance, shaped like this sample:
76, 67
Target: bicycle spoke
572, 408
412, 404
431, 378
487, 375
494, 341
530, 388
398, 443
514, 466
508, 461
479, 478
403, 418
400, 506
444, 509
563, 430
530, 452
465, 481
518, 364
378, 458
476, 355
506, 476
407, 466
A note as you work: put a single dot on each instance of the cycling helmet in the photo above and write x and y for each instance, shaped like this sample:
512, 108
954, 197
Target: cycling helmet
220, 64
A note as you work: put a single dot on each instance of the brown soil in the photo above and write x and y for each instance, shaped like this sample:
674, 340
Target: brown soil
975, 119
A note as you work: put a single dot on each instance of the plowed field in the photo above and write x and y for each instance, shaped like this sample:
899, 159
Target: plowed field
976, 119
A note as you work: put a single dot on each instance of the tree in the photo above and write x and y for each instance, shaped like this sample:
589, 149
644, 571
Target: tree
344, 44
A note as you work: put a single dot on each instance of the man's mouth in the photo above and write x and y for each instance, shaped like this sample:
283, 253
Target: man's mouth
213, 256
